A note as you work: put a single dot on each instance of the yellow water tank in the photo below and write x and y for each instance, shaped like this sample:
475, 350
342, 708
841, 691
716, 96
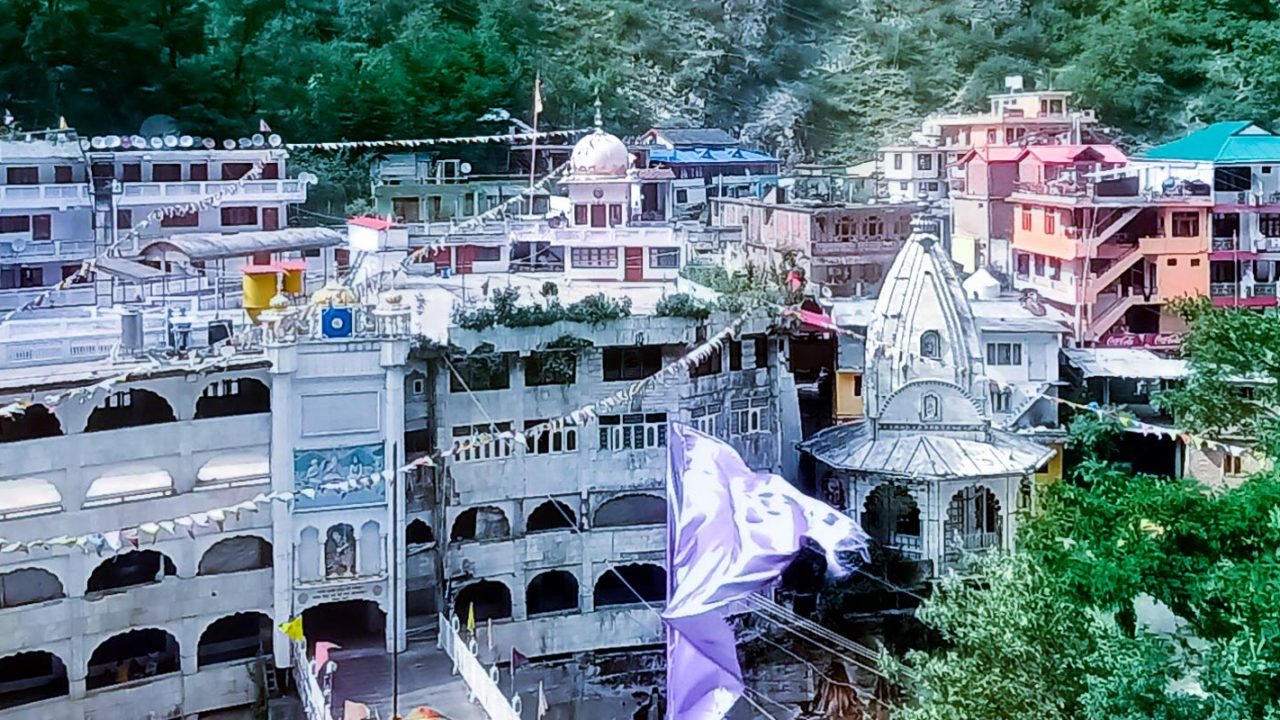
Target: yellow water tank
294, 270
259, 286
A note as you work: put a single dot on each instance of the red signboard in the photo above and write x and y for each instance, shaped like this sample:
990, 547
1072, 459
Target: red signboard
1141, 340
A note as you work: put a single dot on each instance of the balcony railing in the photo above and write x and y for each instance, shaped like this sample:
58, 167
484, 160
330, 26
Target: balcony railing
1240, 290
151, 193
1219, 289
40, 196
15, 297
1224, 244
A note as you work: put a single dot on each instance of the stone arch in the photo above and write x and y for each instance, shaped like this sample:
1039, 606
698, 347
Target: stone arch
551, 515
132, 655
480, 523
931, 345
551, 591
632, 509
30, 677
233, 396
129, 408
973, 523
340, 551
370, 548
235, 554
25, 497
235, 637
418, 533
891, 516
349, 623
35, 421
132, 569
619, 585
28, 586
309, 554
491, 599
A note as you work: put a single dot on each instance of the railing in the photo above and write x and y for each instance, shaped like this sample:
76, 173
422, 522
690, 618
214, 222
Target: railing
43, 250
15, 297
314, 702
1264, 290
1224, 244
1062, 188
142, 193
482, 685
43, 195
1219, 289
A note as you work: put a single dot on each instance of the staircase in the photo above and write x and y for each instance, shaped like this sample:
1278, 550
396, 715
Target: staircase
1115, 227
1106, 318
1114, 270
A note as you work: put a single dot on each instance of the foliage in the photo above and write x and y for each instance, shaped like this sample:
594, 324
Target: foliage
558, 360
505, 310
682, 305
744, 290
1094, 434
1234, 387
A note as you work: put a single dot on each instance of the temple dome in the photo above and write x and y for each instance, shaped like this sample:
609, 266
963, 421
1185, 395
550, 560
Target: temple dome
599, 155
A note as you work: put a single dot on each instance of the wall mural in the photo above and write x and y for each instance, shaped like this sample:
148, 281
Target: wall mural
340, 477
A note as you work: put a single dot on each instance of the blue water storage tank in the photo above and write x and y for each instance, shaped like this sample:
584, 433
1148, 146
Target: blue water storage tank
336, 322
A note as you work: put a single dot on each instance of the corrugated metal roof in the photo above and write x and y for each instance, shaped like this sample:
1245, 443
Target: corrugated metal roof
711, 137
925, 455
708, 156
1066, 154
212, 246
1133, 363
1225, 142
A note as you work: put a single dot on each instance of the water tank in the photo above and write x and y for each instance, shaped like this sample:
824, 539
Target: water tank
131, 337
259, 285
336, 322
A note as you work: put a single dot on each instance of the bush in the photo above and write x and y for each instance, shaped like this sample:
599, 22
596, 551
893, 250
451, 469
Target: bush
594, 309
683, 305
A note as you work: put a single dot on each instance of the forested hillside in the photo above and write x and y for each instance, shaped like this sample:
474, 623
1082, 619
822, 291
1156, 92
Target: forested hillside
806, 78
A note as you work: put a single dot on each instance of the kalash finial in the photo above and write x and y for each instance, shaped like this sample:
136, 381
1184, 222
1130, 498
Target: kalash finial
924, 228
599, 120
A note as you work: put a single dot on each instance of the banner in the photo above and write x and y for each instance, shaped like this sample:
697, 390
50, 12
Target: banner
474, 139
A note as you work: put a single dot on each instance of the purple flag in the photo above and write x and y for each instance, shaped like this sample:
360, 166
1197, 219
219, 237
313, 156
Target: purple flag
731, 532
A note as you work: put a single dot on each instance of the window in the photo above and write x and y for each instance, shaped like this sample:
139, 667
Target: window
40, 227
1269, 224
735, 355
594, 257
235, 171
62, 174
15, 224
580, 214
682, 196
705, 419
232, 216
712, 364
418, 387
1231, 465
271, 171
1050, 223
1195, 262
1186, 224
188, 220
615, 214
1026, 219
468, 447
551, 367
1171, 262
124, 219
166, 172
897, 161
469, 205
486, 371
1266, 169
631, 363
1000, 353
31, 277
747, 416
22, 175
408, 209
664, 257
597, 216
198, 171
635, 431
991, 136
131, 172
1024, 265
1232, 179
486, 254
762, 351
1040, 264
904, 186
924, 161
548, 441
931, 186
1001, 400
931, 345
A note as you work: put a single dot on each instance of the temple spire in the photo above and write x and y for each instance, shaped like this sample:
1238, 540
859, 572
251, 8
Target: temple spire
599, 120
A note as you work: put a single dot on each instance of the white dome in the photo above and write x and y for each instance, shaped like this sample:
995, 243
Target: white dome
981, 286
599, 155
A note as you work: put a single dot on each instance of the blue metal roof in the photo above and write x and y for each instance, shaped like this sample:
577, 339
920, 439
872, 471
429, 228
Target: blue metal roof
1224, 142
708, 156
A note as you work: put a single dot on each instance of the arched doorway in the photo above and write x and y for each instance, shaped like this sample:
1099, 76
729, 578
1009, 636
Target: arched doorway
482, 523
236, 637
490, 600
131, 656
129, 408
418, 533
237, 554
140, 567
631, 510
973, 523
614, 586
35, 421
28, 586
31, 677
350, 623
550, 515
551, 591
234, 396
891, 516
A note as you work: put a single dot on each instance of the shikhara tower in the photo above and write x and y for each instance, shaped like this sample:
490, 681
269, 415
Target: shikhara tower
925, 470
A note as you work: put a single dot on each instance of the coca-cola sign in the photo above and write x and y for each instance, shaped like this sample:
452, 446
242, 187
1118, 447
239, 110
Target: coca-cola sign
1144, 340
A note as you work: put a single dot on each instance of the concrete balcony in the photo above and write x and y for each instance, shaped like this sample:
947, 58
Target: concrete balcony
20, 248
1062, 291
37, 197
852, 249
140, 194
557, 548
632, 236
176, 599
71, 297
612, 627
1240, 294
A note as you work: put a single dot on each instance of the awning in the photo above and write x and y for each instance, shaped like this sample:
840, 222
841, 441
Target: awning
128, 269
126, 485
1132, 363
28, 496
231, 467
215, 246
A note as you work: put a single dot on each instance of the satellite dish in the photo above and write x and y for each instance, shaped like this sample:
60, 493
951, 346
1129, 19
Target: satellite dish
126, 142
229, 144
84, 143
158, 125
113, 141
171, 141
465, 168
209, 143
186, 141
258, 140
274, 140
98, 143
137, 141
157, 143
246, 143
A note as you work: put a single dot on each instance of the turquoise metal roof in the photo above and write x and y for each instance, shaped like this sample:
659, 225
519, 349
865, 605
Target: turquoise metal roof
1223, 143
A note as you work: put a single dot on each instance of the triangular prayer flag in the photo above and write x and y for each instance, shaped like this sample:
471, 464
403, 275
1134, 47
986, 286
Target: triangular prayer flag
263, 126
471, 617
543, 706
518, 659
293, 629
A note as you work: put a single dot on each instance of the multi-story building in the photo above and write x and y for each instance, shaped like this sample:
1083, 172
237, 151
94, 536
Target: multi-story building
847, 248
46, 221
707, 163
1240, 161
421, 188
1091, 239
912, 173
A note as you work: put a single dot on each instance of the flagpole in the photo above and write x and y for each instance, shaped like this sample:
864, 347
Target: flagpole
533, 142
672, 439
